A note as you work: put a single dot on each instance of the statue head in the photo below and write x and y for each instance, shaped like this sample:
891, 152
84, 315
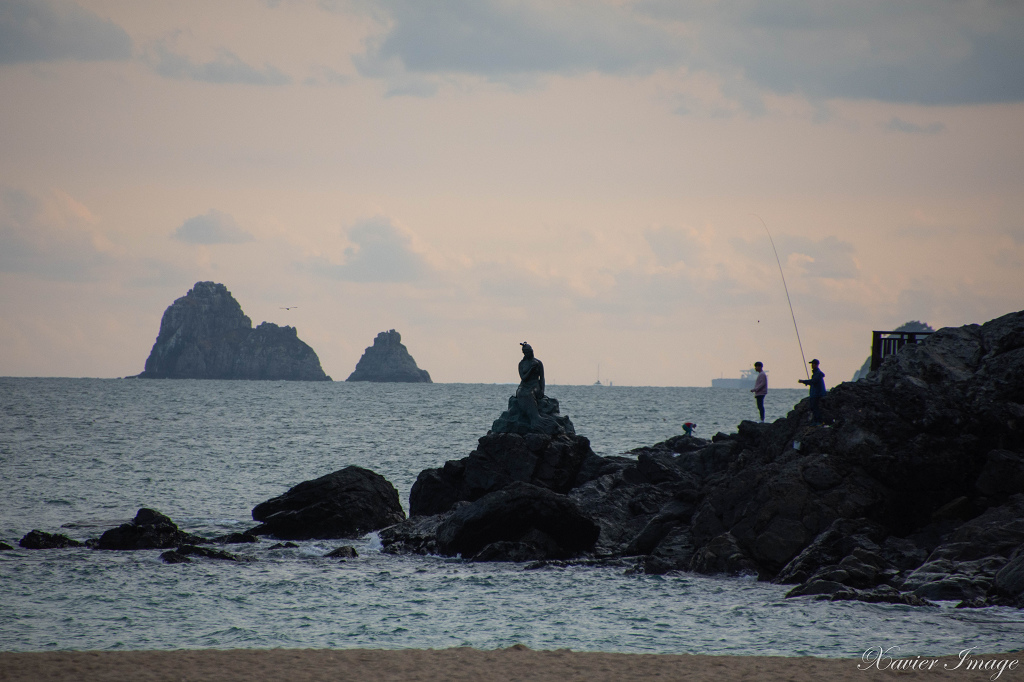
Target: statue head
527, 349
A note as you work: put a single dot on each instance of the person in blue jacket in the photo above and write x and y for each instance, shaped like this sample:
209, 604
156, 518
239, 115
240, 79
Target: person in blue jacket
817, 386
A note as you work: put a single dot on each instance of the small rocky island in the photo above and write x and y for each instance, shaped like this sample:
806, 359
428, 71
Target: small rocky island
388, 360
205, 335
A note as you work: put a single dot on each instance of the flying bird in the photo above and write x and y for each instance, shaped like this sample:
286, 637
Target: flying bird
291, 307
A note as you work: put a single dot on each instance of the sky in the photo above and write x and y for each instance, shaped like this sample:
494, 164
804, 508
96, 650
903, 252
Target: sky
604, 179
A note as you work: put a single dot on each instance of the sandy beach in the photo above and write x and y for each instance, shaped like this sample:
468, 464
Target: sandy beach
514, 663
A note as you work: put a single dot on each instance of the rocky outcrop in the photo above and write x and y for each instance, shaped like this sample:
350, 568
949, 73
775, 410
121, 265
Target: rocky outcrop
912, 326
551, 462
38, 539
148, 530
205, 335
520, 522
345, 504
388, 360
912, 492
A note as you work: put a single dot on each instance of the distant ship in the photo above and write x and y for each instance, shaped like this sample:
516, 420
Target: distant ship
746, 380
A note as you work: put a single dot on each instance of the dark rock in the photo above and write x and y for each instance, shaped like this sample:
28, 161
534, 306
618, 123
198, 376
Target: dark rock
416, 535
549, 422
173, 556
345, 504
5, 547
343, 552
1002, 475
723, 555
552, 462
675, 552
37, 539
388, 360
504, 550
829, 548
519, 513
205, 335
148, 530
283, 545
236, 538
1009, 581
181, 554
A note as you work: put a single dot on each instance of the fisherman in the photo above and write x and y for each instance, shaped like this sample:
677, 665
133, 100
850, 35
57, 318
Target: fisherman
760, 389
817, 386
688, 428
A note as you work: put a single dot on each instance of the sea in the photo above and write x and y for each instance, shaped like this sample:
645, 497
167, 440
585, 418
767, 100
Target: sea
79, 456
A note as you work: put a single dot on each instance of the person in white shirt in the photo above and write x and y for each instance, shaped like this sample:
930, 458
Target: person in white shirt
760, 389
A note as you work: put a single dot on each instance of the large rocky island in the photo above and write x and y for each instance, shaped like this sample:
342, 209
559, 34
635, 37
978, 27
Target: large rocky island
205, 335
388, 360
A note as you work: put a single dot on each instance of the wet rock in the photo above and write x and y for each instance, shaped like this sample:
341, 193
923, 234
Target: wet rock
205, 335
415, 535
148, 530
723, 555
519, 513
345, 504
388, 360
1009, 581
673, 553
38, 539
831, 546
5, 547
283, 545
551, 462
236, 538
182, 555
343, 552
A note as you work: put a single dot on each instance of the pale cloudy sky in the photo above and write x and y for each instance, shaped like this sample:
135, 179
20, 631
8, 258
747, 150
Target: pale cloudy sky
583, 175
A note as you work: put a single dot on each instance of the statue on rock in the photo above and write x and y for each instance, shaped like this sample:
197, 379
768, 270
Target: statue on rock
529, 410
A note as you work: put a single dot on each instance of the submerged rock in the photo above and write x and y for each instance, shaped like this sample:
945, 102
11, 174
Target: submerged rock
148, 530
343, 552
205, 335
388, 360
181, 555
345, 504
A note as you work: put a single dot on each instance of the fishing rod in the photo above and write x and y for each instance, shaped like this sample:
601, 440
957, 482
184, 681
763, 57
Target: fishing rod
786, 288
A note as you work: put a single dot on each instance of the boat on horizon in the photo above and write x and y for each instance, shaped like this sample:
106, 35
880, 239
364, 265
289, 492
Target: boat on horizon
746, 380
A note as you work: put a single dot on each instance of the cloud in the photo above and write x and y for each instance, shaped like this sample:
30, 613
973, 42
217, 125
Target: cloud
900, 126
51, 30
48, 237
500, 39
828, 258
213, 227
672, 246
933, 52
381, 252
227, 68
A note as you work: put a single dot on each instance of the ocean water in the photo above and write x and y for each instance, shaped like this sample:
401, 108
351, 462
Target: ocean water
79, 456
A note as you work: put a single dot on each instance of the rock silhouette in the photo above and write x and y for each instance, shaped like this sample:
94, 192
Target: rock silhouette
205, 335
388, 360
345, 504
